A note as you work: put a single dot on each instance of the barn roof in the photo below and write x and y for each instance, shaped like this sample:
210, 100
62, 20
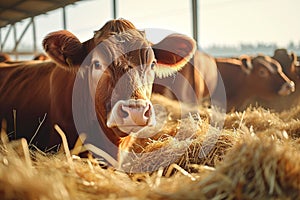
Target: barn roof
12, 11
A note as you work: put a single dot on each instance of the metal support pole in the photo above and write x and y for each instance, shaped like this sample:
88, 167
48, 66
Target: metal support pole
115, 9
34, 36
64, 18
6, 37
0, 39
195, 19
17, 41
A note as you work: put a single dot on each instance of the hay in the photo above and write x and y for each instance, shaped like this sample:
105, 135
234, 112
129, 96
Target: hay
19, 180
264, 121
255, 156
256, 168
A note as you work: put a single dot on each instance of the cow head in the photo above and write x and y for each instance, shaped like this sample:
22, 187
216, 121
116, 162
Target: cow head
121, 65
40, 56
266, 78
288, 61
4, 57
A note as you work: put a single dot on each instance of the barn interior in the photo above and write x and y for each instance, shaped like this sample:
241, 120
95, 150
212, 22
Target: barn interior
197, 152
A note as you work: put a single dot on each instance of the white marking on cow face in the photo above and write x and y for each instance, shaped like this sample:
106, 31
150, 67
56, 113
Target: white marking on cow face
131, 116
123, 88
287, 88
131, 107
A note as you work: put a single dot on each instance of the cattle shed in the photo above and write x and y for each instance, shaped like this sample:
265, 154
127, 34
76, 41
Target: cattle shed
14, 11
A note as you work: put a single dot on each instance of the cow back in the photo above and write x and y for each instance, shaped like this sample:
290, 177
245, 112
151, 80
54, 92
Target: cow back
193, 82
24, 99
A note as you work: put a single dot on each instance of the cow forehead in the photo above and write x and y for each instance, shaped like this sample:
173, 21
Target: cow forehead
272, 65
124, 52
140, 57
129, 35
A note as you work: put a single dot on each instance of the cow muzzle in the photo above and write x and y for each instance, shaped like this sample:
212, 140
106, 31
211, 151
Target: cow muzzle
287, 88
131, 115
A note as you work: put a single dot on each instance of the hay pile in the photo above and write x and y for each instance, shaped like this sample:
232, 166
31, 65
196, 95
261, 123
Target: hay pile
255, 156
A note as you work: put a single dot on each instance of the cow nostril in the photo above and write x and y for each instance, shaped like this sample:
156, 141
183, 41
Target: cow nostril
148, 112
123, 113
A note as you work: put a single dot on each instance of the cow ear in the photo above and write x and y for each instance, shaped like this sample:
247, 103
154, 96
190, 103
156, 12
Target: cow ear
173, 53
64, 48
294, 58
246, 63
295, 63
280, 52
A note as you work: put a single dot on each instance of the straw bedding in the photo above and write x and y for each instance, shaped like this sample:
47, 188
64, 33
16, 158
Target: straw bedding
255, 156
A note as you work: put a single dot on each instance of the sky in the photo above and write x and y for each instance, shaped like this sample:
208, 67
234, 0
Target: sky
221, 22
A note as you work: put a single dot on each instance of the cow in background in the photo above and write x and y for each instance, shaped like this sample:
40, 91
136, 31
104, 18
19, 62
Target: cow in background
244, 79
4, 57
291, 67
116, 70
41, 56
289, 63
193, 82
248, 78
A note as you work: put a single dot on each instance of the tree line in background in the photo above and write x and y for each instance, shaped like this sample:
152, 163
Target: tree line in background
250, 49
216, 50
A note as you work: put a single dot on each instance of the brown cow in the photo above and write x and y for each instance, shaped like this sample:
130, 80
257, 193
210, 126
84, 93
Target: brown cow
4, 57
226, 80
289, 63
291, 67
41, 56
193, 82
108, 96
250, 77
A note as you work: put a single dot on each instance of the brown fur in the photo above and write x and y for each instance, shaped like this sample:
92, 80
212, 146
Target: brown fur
47, 87
193, 82
243, 83
290, 66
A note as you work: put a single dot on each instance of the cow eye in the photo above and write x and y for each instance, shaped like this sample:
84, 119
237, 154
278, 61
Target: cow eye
263, 73
153, 64
97, 65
